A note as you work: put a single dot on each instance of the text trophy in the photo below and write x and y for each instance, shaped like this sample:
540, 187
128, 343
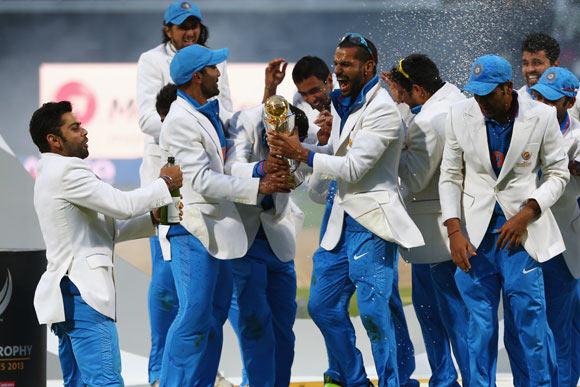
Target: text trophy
279, 118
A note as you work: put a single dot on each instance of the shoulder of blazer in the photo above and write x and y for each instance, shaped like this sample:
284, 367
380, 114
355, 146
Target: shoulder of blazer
154, 55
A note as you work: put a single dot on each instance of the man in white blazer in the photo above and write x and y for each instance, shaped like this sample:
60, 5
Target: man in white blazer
265, 278
498, 217
183, 25
558, 87
368, 220
436, 299
211, 232
78, 216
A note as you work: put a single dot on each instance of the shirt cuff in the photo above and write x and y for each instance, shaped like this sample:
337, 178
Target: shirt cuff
310, 160
258, 169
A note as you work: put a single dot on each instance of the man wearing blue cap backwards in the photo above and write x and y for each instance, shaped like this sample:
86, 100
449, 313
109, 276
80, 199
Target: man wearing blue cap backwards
558, 87
367, 221
211, 232
182, 27
498, 218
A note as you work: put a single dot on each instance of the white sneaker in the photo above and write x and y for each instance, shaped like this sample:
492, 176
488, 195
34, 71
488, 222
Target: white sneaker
220, 381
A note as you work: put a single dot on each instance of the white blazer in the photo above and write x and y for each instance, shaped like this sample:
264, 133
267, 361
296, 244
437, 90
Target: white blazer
77, 213
365, 164
566, 209
208, 193
468, 185
282, 223
419, 173
152, 76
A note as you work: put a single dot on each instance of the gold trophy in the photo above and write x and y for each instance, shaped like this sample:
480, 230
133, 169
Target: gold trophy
279, 118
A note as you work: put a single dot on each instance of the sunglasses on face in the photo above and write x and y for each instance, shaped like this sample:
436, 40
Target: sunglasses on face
357, 39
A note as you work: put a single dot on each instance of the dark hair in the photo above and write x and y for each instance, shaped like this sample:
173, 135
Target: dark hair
362, 53
203, 34
300, 121
420, 70
47, 120
165, 97
538, 41
309, 66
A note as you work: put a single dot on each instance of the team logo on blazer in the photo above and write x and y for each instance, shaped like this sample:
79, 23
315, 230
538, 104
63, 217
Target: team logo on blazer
526, 155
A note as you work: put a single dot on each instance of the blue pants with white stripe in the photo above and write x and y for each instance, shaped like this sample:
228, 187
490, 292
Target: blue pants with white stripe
262, 314
364, 262
561, 302
520, 278
443, 317
163, 305
204, 289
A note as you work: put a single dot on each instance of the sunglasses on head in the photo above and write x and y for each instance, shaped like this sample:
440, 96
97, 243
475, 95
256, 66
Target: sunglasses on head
357, 39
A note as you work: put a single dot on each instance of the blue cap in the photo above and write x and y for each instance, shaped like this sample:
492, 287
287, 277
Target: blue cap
486, 73
178, 11
556, 83
193, 58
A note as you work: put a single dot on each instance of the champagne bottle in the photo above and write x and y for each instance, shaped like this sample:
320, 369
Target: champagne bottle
170, 213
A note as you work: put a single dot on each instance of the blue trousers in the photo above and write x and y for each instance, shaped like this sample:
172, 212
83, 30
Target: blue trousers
263, 311
336, 275
520, 278
443, 318
163, 305
88, 345
576, 339
560, 289
204, 288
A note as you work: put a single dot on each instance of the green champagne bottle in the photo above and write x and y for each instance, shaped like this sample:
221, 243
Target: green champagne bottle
170, 213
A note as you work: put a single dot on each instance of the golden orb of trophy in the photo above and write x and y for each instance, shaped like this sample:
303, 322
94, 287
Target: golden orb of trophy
276, 114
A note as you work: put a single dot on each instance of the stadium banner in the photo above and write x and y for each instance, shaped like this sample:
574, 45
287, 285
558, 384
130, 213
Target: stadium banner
103, 98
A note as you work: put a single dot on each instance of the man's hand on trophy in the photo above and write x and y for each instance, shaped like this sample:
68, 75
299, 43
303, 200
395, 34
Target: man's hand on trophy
324, 121
287, 145
275, 164
275, 182
275, 73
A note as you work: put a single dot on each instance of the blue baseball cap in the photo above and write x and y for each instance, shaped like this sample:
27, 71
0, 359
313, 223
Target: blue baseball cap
556, 83
486, 73
178, 11
193, 58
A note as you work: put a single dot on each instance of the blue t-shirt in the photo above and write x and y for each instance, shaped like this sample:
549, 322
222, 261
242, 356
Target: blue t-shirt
499, 137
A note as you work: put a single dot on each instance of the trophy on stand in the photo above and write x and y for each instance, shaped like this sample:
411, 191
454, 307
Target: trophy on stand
279, 118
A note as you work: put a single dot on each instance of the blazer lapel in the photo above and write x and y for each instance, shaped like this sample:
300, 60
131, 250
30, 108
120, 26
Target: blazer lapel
520, 135
205, 125
478, 133
354, 117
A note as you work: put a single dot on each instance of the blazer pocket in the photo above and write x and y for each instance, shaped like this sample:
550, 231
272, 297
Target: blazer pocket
467, 200
99, 260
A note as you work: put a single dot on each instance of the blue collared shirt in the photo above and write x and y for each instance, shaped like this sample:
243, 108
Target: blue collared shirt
211, 110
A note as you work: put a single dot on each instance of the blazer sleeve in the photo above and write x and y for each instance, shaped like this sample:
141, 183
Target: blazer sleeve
451, 179
422, 154
554, 165
138, 227
183, 139
149, 82
379, 128
83, 188
239, 153
225, 96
